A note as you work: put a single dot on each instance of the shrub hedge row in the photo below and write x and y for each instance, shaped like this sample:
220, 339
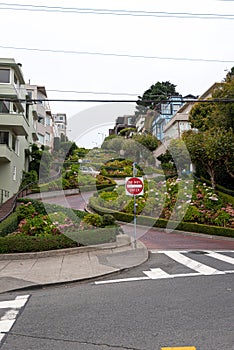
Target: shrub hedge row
162, 223
23, 244
94, 236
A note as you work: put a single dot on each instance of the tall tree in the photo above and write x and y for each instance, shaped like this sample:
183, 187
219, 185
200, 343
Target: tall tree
152, 97
213, 148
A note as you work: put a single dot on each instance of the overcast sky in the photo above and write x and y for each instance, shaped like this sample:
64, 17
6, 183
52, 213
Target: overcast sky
119, 52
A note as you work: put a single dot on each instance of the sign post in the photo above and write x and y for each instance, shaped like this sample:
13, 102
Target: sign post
134, 186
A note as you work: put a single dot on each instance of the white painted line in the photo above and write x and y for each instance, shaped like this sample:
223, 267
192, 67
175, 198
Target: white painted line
130, 279
229, 271
156, 274
6, 325
9, 318
192, 264
221, 257
17, 303
9, 315
155, 251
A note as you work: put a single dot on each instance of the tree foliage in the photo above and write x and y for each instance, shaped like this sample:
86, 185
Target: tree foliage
158, 92
214, 149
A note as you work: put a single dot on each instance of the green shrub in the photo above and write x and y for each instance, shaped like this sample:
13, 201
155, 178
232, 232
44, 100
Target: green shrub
108, 220
24, 244
93, 236
94, 220
26, 210
38, 225
8, 225
162, 223
192, 214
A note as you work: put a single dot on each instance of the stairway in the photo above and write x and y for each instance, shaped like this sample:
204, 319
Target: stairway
7, 207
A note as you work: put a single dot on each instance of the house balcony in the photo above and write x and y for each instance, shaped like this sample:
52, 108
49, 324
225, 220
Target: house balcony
15, 122
5, 153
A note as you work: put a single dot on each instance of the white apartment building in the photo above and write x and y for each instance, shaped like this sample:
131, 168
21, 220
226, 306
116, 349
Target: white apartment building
60, 125
16, 128
43, 116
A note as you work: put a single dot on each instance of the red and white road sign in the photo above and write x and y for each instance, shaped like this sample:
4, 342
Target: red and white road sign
134, 186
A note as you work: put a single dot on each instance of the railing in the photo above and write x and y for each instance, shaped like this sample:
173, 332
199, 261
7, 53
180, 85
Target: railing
24, 192
3, 194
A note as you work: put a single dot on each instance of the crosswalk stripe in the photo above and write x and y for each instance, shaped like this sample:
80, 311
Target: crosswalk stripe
180, 348
192, 264
221, 257
130, 279
17, 303
156, 274
9, 317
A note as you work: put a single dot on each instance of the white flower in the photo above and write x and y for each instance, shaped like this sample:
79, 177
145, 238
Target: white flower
156, 193
179, 207
213, 198
185, 187
189, 201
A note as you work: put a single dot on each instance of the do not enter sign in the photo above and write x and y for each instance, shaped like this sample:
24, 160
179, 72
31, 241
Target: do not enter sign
134, 186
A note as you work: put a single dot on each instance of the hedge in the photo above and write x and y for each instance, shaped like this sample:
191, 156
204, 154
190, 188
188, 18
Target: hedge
8, 225
23, 244
94, 236
162, 223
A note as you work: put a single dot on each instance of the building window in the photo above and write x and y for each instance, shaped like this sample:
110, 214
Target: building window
41, 120
4, 107
15, 144
60, 118
14, 173
41, 138
29, 94
15, 79
4, 138
4, 75
47, 137
48, 121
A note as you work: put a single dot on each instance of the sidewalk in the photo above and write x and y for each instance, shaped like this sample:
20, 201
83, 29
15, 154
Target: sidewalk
18, 271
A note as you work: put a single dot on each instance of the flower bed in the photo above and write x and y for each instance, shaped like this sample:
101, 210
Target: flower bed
174, 199
46, 227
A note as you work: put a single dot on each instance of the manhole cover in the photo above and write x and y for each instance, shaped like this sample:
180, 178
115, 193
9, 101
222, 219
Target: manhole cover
197, 252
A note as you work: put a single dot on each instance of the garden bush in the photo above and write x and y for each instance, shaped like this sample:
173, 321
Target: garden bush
162, 223
24, 244
9, 224
94, 236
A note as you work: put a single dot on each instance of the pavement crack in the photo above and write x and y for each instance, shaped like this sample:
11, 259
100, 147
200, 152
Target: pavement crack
73, 341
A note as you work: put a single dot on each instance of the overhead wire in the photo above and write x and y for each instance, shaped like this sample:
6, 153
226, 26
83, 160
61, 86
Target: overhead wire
110, 54
117, 12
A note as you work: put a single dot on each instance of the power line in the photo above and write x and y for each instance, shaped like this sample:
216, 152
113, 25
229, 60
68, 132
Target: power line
184, 100
94, 92
30, 7
109, 54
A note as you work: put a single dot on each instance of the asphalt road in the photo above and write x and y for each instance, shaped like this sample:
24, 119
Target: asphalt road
139, 314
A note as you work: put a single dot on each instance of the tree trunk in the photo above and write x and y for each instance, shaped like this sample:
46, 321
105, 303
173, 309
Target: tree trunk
211, 172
